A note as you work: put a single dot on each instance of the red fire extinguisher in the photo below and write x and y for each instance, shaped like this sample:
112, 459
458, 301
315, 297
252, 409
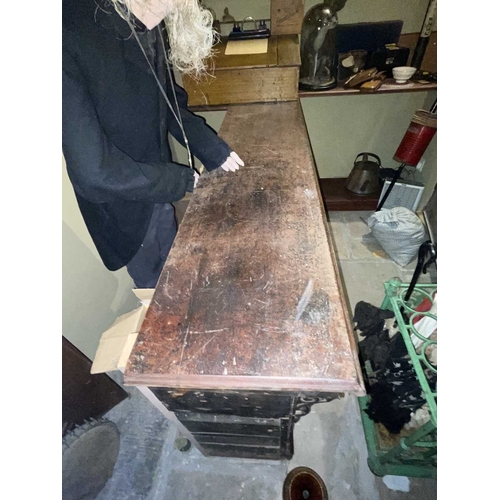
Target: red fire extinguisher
418, 136
420, 132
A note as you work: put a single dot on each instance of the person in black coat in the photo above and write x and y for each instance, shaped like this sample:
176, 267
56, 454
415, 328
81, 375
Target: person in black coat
118, 105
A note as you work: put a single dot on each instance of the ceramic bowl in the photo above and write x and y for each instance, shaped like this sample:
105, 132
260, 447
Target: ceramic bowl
403, 73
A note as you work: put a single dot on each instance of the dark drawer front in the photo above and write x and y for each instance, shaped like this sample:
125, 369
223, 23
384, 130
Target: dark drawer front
221, 450
246, 424
205, 438
243, 404
244, 437
228, 424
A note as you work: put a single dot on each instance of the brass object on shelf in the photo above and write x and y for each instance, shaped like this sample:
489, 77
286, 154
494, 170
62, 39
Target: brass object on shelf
361, 77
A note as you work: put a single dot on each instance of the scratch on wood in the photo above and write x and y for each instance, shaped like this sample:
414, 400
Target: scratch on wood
210, 331
184, 345
304, 300
200, 350
165, 287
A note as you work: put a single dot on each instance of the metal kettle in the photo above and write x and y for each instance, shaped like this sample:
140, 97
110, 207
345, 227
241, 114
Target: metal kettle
365, 175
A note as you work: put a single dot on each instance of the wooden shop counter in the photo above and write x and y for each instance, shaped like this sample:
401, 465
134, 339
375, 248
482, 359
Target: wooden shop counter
248, 326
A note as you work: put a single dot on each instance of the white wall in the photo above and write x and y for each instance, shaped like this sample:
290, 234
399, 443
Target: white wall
411, 12
92, 296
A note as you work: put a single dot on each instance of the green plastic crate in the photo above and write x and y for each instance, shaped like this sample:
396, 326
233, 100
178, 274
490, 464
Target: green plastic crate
414, 454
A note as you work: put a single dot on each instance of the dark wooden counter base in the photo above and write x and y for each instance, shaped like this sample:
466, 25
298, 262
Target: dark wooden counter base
243, 424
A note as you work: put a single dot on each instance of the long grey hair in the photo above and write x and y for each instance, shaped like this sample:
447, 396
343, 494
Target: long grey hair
190, 32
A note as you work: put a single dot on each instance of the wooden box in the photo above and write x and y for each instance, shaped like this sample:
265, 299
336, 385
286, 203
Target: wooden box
242, 79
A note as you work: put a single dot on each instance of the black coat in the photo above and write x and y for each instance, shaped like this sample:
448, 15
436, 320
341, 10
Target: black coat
115, 124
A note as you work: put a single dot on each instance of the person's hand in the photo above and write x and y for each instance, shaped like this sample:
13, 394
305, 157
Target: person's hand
232, 163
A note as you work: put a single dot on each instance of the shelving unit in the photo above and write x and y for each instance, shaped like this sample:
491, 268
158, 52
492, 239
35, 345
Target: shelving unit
388, 87
413, 454
337, 198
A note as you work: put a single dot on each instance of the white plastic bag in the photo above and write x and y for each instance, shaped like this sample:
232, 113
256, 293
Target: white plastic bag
399, 231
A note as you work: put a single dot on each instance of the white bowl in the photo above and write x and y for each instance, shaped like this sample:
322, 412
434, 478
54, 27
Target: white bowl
403, 73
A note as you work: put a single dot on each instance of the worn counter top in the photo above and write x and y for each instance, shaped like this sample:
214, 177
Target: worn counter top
250, 296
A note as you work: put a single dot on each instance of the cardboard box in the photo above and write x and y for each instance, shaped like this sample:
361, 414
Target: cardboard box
287, 16
116, 345
118, 340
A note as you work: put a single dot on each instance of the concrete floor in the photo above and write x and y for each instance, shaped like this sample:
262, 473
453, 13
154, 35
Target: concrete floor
330, 439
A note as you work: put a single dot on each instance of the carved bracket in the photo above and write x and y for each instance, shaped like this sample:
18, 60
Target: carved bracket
303, 404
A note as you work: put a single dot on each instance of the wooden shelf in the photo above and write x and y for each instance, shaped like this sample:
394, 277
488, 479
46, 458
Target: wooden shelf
388, 87
337, 198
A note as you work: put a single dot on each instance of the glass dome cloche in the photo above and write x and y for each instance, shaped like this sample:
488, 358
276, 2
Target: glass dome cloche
318, 54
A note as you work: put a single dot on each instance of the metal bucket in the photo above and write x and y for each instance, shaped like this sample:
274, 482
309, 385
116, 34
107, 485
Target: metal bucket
365, 175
